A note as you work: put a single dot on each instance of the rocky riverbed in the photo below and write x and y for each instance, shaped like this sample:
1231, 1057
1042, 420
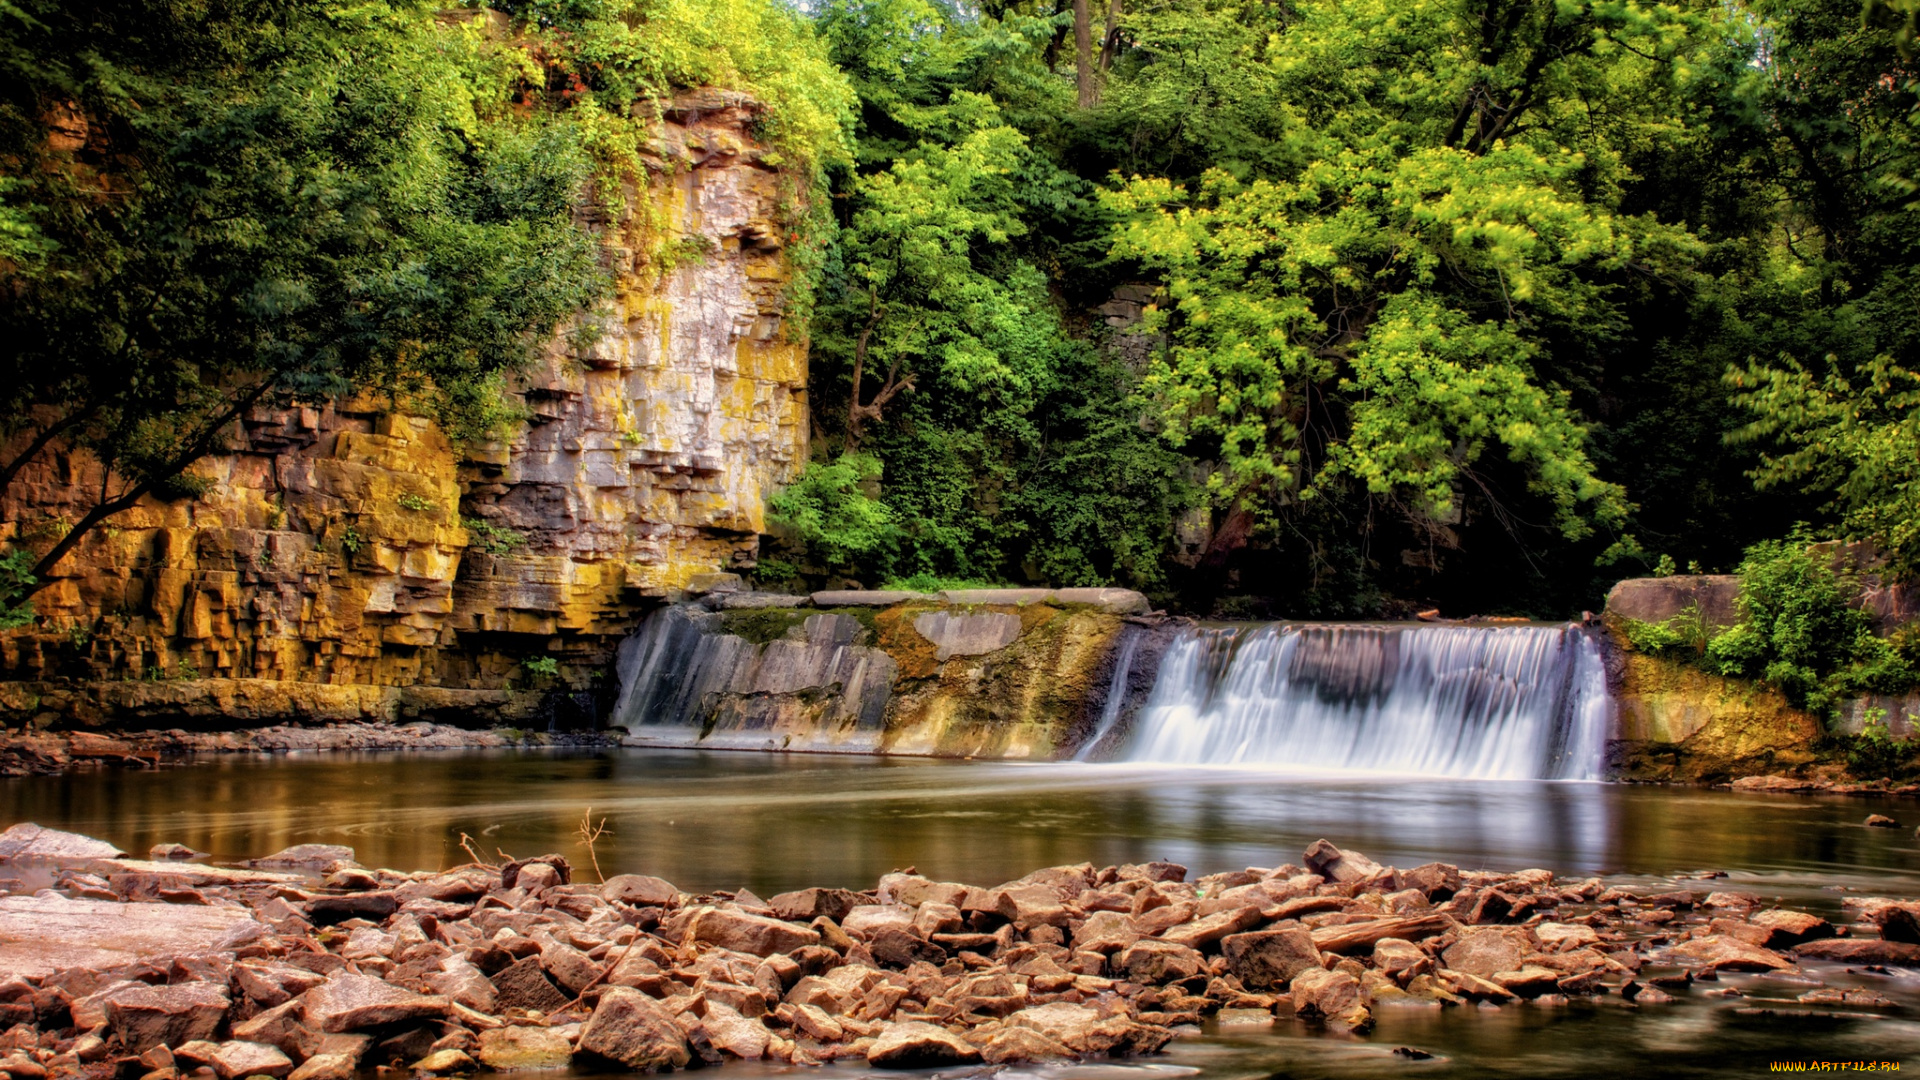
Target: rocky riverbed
306, 965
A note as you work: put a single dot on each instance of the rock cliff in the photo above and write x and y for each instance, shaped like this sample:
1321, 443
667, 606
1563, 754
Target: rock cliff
352, 562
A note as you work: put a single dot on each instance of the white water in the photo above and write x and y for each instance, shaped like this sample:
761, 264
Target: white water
1116, 693
1519, 702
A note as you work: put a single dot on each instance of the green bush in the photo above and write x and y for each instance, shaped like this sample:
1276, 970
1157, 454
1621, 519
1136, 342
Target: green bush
1801, 632
831, 509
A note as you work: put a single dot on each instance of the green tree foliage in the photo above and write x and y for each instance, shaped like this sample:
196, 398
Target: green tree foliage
233, 205
1828, 127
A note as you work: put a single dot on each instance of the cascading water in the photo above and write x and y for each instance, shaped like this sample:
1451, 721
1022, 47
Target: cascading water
1516, 702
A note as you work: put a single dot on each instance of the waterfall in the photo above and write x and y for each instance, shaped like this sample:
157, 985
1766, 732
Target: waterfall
1116, 692
1512, 702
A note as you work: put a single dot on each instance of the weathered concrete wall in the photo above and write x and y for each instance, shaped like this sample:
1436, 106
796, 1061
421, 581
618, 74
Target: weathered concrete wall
332, 546
922, 674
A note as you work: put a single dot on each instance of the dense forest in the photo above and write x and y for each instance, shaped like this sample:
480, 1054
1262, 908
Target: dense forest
1297, 308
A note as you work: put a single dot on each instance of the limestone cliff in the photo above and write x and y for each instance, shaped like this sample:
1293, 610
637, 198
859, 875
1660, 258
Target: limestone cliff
351, 561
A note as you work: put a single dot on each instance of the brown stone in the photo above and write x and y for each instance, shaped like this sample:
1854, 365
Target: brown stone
1359, 937
806, 905
1859, 951
741, 932
1335, 865
1014, 1045
1481, 952
524, 985
350, 1002
1203, 932
1152, 962
146, 1016
1718, 951
237, 1059
1319, 994
1270, 959
326, 1067
516, 1048
633, 1029
639, 890
919, 1045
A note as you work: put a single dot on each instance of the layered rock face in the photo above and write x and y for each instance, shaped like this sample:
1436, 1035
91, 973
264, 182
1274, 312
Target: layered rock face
356, 547
1004, 673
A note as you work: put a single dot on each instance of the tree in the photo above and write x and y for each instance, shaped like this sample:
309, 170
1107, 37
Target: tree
221, 207
1396, 277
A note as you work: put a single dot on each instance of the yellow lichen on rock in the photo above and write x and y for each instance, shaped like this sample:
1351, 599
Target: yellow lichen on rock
355, 546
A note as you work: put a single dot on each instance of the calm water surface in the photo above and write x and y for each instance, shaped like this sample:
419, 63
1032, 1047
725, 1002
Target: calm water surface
710, 820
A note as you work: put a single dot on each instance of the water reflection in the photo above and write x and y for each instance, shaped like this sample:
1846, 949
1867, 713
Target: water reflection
708, 820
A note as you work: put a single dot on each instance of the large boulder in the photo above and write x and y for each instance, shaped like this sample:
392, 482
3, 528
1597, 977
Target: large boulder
1270, 959
635, 1030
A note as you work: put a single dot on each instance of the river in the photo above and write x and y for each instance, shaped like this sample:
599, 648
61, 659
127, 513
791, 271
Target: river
725, 820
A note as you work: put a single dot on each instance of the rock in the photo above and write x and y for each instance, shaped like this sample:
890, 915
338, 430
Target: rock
1320, 994
1205, 931
728, 1030
523, 984
235, 1060
914, 1044
1335, 865
1861, 998
517, 1048
558, 864
640, 890
1881, 821
143, 1017
1718, 951
1270, 959
1106, 932
807, 905
758, 600
745, 933
1790, 928
29, 842
372, 906
326, 1067
1856, 951
895, 948
633, 1029
283, 1026
1114, 601
1439, 881
833, 598
1359, 937
1152, 962
868, 919
1243, 1018
1897, 922
315, 858
1528, 982
1007, 597
444, 1061
173, 852
352, 1002
537, 878
955, 634
1784, 784
1398, 959
46, 933
1481, 952
1015, 1045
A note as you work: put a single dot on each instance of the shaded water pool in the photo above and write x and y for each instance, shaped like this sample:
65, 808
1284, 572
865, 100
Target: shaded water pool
716, 820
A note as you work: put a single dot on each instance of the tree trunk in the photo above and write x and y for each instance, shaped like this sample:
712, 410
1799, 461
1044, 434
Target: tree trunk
1083, 52
1110, 41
